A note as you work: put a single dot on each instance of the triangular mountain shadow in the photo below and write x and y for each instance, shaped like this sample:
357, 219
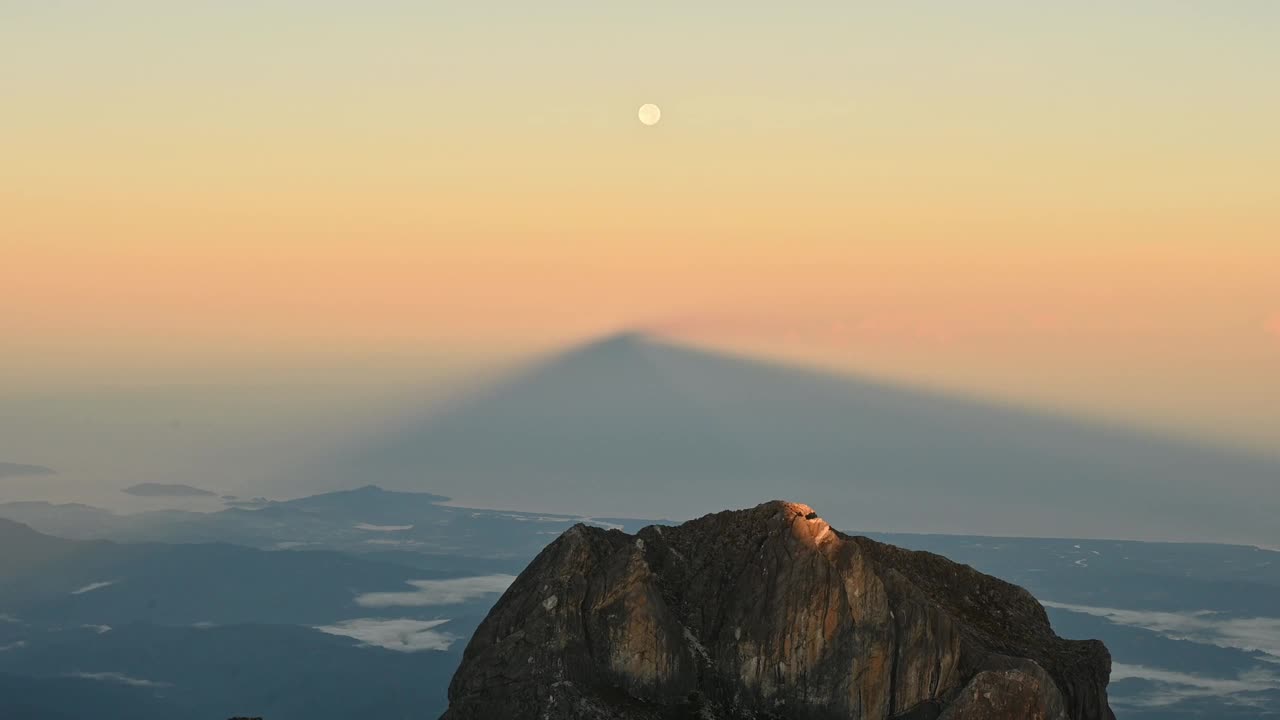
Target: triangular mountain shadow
632, 426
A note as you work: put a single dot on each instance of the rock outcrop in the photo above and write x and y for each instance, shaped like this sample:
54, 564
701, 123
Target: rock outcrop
767, 613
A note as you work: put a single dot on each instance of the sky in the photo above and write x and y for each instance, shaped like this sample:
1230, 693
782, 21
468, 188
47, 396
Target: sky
1073, 206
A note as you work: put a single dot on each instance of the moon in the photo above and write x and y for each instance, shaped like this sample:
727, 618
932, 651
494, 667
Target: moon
650, 114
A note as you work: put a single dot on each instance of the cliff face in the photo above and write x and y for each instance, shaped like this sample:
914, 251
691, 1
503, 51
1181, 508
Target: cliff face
768, 613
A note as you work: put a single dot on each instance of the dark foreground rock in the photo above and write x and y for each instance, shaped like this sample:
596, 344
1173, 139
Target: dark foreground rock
768, 613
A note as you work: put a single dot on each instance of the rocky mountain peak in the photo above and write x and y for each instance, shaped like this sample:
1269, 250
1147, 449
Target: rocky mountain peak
768, 613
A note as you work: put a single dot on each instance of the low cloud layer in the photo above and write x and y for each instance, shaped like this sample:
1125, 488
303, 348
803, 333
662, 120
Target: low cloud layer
166, 490
401, 635
393, 543
438, 592
1257, 634
119, 678
8, 470
369, 527
93, 586
1174, 687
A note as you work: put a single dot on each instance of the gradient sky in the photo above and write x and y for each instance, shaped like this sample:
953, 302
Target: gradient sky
1073, 205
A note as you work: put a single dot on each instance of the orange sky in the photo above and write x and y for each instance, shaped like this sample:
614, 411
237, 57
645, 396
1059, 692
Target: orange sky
1077, 208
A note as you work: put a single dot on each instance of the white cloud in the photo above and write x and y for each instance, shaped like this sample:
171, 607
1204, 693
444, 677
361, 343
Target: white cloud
100, 629
393, 543
383, 528
1257, 634
8, 619
120, 678
401, 635
560, 520
93, 586
603, 524
13, 646
1178, 686
438, 592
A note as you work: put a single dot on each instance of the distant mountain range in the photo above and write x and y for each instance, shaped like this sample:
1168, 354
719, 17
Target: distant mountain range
8, 469
367, 521
634, 426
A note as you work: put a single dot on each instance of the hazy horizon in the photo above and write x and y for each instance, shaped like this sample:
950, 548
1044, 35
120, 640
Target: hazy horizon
261, 442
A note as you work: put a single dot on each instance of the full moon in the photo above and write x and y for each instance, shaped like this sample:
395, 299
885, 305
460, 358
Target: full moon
650, 114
